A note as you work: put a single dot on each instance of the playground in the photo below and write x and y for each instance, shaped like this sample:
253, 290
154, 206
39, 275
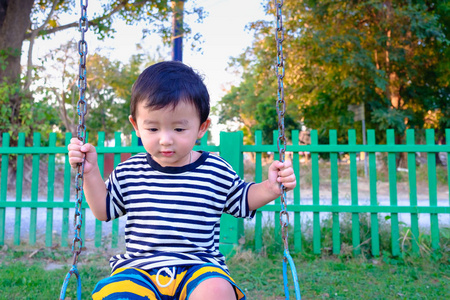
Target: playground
25, 270
329, 176
344, 275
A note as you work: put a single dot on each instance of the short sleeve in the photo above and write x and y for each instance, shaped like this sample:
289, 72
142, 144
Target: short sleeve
115, 207
237, 199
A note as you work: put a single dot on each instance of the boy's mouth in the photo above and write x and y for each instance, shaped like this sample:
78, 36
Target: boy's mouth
167, 153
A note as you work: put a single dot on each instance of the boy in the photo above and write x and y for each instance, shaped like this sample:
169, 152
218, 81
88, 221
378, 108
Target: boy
173, 196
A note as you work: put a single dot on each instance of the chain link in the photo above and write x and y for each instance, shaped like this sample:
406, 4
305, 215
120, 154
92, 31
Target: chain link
77, 243
281, 109
281, 143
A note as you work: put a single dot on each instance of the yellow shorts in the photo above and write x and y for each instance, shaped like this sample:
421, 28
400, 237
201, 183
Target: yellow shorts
159, 284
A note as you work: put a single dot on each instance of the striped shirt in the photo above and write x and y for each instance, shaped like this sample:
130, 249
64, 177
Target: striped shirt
173, 213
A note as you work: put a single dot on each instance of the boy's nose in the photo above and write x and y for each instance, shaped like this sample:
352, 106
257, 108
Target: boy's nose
165, 138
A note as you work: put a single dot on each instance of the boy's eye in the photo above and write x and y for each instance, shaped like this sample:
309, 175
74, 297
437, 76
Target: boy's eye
153, 129
179, 129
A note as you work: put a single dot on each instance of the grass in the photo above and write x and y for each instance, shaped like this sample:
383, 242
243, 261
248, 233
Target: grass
38, 274
337, 278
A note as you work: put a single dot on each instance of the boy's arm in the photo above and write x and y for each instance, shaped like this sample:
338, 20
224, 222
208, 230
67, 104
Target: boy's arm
95, 193
262, 193
93, 184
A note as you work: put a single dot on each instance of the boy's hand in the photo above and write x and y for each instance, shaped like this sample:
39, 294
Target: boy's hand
77, 153
281, 173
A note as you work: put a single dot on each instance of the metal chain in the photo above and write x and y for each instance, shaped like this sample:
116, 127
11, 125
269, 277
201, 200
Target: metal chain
281, 143
77, 243
281, 109
81, 131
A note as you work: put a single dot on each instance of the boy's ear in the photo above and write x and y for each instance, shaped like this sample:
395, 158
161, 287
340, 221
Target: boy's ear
133, 122
203, 128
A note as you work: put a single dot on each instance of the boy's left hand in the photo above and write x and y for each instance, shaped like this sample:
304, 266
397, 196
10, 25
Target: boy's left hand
281, 173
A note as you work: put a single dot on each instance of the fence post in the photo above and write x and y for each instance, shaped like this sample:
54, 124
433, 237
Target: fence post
67, 189
34, 188
231, 228
356, 240
19, 186
4, 187
101, 165
447, 139
432, 188
50, 190
297, 217
374, 228
412, 179
117, 161
334, 168
258, 178
392, 170
315, 193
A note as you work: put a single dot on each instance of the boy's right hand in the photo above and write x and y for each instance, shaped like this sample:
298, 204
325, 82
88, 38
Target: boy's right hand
77, 152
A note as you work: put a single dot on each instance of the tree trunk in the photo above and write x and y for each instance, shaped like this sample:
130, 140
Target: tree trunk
13, 26
14, 22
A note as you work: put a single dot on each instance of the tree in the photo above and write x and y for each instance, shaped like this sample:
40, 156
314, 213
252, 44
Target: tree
22, 20
108, 92
109, 96
391, 56
253, 104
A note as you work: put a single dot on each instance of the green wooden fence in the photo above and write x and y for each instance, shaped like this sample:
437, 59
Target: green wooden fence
232, 148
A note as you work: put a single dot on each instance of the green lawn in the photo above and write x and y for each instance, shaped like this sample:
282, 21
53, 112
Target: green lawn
345, 279
27, 274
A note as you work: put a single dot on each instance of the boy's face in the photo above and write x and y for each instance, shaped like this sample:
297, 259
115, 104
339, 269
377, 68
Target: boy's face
169, 134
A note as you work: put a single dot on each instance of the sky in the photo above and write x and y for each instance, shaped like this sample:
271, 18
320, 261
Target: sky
224, 36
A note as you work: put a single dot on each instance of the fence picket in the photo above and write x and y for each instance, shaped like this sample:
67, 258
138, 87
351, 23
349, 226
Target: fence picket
50, 191
101, 166
258, 178
19, 190
4, 186
38, 151
315, 193
392, 170
335, 193
296, 191
412, 179
374, 228
356, 240
34, 188
432, 189
115, 222
67, 189
135, 141
447, 138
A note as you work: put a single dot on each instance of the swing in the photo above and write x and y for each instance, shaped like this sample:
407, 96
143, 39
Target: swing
77, 243
281, 143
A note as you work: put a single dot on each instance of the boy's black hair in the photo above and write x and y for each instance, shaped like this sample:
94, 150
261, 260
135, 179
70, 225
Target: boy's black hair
167, 83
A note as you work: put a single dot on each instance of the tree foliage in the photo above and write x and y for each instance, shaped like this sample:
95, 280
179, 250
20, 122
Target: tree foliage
108, 91
391, 56
26, 20
253, 103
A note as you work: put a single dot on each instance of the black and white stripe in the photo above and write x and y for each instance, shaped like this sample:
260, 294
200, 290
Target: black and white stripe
174, 212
